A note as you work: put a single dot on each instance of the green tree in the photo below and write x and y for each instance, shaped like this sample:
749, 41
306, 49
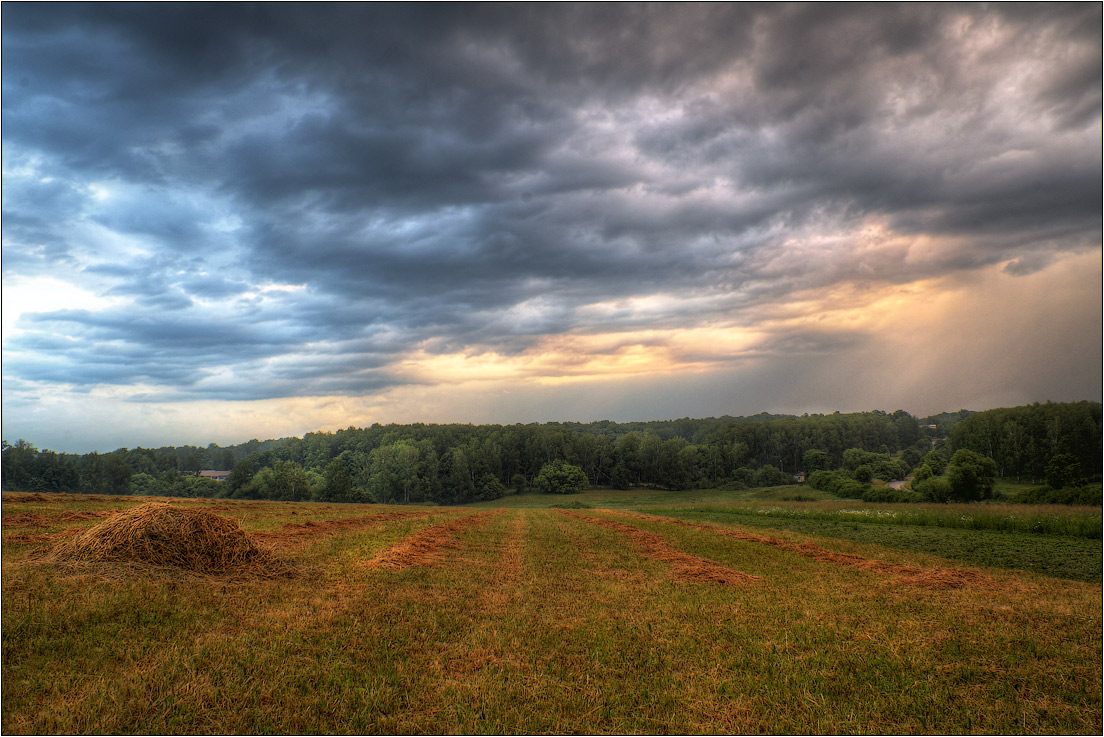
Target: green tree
490, 487
1063, 471
338, 483
620, 478
922, 473
768, 475
290, 482
815, 460
560, 477
192, 463
936, 460
243, 472
971, 476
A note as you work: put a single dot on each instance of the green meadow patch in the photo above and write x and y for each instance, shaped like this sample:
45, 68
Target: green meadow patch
1055, 541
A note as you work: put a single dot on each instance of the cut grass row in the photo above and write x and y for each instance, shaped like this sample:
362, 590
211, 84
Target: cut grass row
540, 622
1075, 558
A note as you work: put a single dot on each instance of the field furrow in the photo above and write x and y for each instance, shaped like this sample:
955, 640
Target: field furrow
424, 547
915, 575
684, 567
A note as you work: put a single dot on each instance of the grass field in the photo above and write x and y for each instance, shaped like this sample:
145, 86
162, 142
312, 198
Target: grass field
647, 613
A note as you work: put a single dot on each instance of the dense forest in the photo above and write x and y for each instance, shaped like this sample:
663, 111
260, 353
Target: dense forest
1059, 443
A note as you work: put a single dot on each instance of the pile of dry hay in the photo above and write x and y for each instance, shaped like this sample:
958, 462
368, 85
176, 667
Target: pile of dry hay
166, 536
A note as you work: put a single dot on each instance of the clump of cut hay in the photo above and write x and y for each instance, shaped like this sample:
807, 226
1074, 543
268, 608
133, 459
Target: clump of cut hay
23, 497
165, 536
424, 547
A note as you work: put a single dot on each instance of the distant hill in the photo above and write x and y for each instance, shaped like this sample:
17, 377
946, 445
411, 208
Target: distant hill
944, 422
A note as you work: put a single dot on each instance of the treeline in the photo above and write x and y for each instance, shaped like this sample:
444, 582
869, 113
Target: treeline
457, 464
1023, 441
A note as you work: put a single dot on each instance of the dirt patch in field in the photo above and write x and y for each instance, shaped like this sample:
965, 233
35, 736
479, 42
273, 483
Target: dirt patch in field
165, 536
684, 567
423, 547
932, 578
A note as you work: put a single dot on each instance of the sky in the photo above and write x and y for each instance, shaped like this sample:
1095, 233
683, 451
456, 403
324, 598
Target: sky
224, 222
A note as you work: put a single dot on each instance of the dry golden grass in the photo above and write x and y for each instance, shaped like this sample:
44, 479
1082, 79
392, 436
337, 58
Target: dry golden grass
536, 622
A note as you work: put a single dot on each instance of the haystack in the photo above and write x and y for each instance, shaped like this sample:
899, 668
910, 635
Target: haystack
162, 535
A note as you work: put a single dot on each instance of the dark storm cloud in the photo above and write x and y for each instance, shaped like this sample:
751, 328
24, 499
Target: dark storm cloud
443, 177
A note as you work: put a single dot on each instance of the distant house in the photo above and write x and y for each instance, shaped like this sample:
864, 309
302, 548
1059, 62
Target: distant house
799, 477
214, 475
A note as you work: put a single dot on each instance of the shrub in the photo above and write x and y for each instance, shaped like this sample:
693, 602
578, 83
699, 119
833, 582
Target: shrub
934, 489
769, 476
743, 476
836, 483
490, 488
560, 477
1087, 495
573, 504
886, 494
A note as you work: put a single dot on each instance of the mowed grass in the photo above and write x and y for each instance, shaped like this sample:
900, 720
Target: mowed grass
1053, 541
534, 621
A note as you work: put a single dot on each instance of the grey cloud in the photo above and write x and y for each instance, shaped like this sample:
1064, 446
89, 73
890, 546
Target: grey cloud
1029, 264
423, 171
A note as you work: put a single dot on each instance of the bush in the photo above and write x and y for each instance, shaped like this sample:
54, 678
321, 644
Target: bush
934, 489
490, 488
835, 482
743, 476
770, 476
1088, 495
560, 477
885, 494
849, 489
